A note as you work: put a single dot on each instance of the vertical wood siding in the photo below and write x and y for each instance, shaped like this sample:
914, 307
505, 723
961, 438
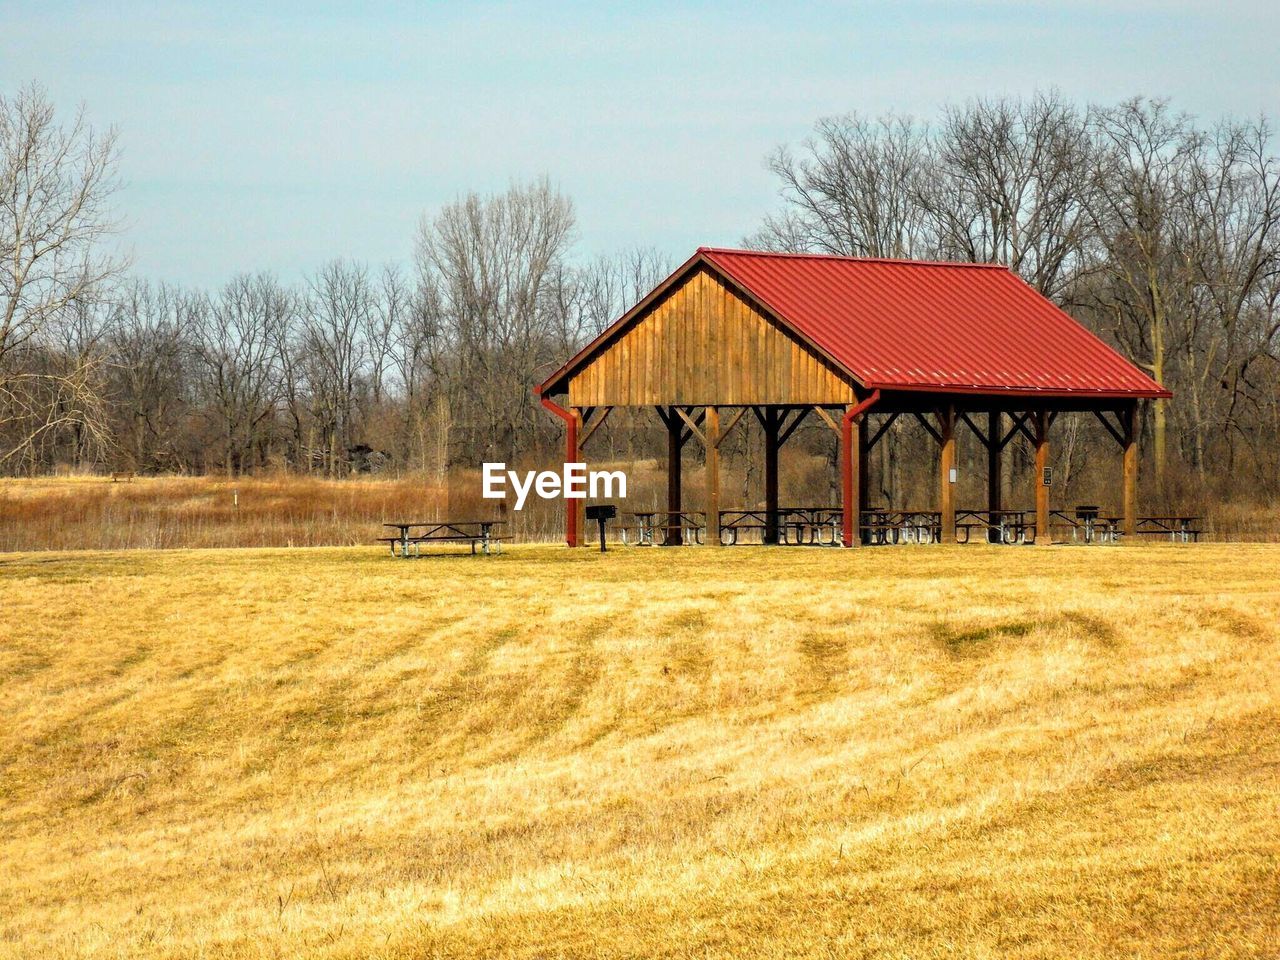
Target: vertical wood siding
703, 344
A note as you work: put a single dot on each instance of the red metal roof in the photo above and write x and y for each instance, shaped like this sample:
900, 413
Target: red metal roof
918, 325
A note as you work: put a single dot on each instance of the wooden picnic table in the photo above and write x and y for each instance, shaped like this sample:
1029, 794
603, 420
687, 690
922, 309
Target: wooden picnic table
476, 532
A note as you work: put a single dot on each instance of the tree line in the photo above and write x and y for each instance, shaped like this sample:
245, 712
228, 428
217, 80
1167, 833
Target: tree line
356, 368
1158, 232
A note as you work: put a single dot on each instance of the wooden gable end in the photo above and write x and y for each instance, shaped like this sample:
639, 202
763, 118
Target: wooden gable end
703, 344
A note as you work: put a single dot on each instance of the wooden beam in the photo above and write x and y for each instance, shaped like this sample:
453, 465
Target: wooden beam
830, 420
947, 463
1019, 427
599, 422
742, 412
693, 427
875, 437
770, 422
850, 490
697, 420
712, 442
1042, 488
864, 466
578, 521
1116, 433
1129, 420
851, 473
928, 426
675, 446
980, 434
995, 469
791, 427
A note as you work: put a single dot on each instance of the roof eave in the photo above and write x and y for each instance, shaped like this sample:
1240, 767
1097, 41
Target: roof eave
1048, 392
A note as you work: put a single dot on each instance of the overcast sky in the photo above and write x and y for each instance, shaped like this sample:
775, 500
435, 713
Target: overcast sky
280, 135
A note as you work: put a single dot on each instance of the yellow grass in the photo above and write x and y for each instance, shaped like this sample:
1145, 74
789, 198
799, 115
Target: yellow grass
903, 752
87, 512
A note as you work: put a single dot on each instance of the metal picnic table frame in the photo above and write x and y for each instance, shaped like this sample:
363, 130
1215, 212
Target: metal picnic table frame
820, 526
806, 526
476, 532
1009, 526
650, 523
1179, 529
884, 526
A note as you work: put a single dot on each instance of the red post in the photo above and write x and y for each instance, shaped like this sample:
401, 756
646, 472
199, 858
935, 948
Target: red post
571, 456
850, 500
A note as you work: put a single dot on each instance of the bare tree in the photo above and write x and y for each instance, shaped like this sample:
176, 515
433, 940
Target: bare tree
236, 340
340, 310
56, 182
855, 190
1139, 208
490, 264
1233, 243
150, 366
1010, 183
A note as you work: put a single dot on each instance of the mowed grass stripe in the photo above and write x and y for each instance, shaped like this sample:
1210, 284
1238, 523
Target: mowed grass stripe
787, 752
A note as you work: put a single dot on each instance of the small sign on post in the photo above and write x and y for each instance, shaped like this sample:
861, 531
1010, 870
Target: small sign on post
1046, 477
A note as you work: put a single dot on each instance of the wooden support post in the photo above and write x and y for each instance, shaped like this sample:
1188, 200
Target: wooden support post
850, 471
711, 427
577, 521
995, 469
1042, 488
770, 422
947, 463
850, 486
675, 446
1129, 420
864, 472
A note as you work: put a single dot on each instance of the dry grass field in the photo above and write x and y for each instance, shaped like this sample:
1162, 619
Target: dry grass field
903, 752
92, 513
88, 512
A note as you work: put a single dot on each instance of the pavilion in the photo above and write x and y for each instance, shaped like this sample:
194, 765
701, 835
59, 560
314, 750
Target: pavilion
857, 342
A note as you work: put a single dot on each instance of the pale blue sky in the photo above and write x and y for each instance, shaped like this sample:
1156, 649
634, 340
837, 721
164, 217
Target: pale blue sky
280, 135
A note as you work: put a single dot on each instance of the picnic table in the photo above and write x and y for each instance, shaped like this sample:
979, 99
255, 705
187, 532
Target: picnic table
671, 526
1008, 526
1179, 529
816, 526
478, 533
901, 526
794, 524
733, 522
